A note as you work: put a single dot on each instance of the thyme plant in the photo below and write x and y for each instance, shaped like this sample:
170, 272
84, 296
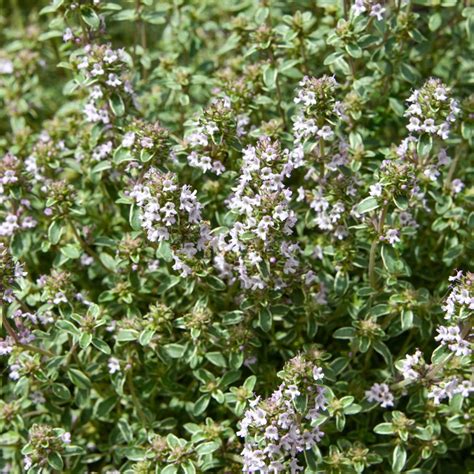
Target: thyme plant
236, 236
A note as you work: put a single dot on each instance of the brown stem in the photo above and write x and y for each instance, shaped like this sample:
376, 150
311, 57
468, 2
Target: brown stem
11, 332
86, 247
373, 248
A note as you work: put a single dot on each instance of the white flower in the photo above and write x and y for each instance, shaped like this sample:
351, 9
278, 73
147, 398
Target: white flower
393, 236
97, 70
380, 393
318, 373
292, 391
6, 66
431, 172
128, 140
358, 7
114, 365
68, 35
375, 190
414, 125
146, 142
457, 186
429, 126
377, 11
325, 133
440, 93
113, 80
271, 432
110, 56
408, 364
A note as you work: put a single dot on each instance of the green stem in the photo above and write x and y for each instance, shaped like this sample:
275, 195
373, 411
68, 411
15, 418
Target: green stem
136, 400
372, 258
373, 249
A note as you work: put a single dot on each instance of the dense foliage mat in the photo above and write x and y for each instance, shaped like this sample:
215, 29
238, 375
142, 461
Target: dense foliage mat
236, 235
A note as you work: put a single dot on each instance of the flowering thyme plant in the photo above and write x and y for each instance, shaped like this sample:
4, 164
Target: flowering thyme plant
236, 236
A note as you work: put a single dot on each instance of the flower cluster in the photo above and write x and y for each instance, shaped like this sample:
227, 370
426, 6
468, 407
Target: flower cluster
451, 375
207, 146
147, 140
431, 109
103, 68
319, 109
278, 429
460, 301
194, 195
375, 9
171, 213
9, 270
257, 249
380, 393
45, 444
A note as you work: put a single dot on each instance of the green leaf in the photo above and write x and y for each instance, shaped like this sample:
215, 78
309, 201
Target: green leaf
399, 458
384, 429
175, 351
56, 461
354, 50
250, 382
265, 319
216, 283
116, 105
61, 391
379, 310
164, 251
55, 231
207, 448
229, 378
101, 166
52, 8
407, 319
170, 469
409, 73
71, 251
122, 155
9, 437
332, 58
90, 17
232, 317
85, 340
104, 407
101, 345
384, 351
401, 202
68, 327
108, 261
390, 261
366, 205
435, 21
146, 336
127, 335
79, 379
135, 454
216, 358
396, 106
188, 468
344, 333
424, 145
125, 430
270, 77
201, 404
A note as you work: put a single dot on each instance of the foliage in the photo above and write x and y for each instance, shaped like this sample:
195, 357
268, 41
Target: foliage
236, 236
